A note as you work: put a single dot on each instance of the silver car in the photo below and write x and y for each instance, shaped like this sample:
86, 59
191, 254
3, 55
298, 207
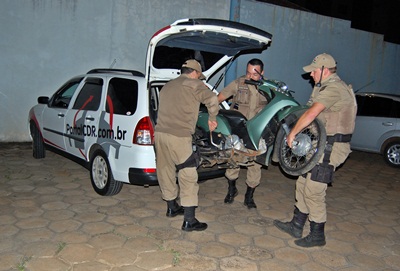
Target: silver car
378, 126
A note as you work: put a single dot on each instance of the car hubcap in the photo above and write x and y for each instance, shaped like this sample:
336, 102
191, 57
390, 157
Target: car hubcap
393, 154
100, 172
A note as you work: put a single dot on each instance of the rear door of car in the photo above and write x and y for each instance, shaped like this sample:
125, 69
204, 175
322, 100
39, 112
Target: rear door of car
375, 122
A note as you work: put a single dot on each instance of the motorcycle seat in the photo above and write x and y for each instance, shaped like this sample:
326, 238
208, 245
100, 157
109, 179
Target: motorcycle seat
235, 118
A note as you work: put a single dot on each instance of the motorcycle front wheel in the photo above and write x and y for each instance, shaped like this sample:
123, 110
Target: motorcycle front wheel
308, 151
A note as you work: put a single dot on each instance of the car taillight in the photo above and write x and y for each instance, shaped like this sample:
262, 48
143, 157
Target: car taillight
144, 132
149, 170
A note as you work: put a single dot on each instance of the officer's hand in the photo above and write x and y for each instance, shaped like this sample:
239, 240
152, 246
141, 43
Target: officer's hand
212, 124
289, 139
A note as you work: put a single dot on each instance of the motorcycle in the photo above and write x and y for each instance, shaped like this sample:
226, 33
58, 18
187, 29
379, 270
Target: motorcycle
238, 141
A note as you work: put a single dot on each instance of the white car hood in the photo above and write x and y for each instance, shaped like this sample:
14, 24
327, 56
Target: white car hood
212, 42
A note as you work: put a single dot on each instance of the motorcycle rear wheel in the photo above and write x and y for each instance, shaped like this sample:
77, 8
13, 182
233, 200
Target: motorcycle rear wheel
304, 156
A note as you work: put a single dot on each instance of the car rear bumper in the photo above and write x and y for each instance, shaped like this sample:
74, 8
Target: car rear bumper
138, 177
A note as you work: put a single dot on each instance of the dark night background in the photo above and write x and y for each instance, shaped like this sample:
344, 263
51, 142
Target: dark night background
378, 16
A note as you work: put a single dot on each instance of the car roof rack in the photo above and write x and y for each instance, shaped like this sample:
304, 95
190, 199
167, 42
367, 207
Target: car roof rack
104, 70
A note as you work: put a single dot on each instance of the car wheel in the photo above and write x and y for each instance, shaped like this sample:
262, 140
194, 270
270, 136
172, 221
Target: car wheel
38, 149
101, 176
309, 150
391, 153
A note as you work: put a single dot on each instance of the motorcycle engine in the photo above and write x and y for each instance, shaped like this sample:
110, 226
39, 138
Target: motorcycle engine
234, 142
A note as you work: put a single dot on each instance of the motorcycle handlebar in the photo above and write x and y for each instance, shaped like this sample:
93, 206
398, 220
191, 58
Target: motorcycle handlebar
253, 82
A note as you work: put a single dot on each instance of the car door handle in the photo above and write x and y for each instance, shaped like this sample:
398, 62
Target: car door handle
89, 118
387, 123
61, 115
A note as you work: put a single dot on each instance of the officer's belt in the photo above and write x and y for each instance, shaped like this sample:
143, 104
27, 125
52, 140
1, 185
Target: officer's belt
339, 138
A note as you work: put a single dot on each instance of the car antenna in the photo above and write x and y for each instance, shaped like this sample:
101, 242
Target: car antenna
113, 63
366, 85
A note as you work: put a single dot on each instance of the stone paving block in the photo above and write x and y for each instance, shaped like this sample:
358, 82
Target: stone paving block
10, 261
131, 230
367, 262
236, 263
216, 249
72, 237
250, 230
393, 261
292, 255
77, 253
254, 253
313, 266
155, 260
57, 215
64, 225
108, 240
194, 262
377, 250
329, 259
8, 230
91, 266
234, 239
46, 264
11, 245
120, 257
269, 242
277, 265
42, 248
34, 235
100, 227
180, 246
143, 244
339, 246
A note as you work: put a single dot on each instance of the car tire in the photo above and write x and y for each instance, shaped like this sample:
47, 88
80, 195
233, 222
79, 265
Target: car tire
391, 153
101, 176
312, 141
38, 149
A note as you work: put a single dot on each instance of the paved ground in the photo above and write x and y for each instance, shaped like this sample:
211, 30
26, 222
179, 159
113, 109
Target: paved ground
51, 219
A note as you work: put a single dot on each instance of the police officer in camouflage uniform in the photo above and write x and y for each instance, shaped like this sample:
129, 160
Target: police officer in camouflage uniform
177, 115
333, 102
247, 100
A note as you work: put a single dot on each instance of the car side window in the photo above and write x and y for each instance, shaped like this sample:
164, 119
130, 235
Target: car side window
90, 95
373, 106
122, 96
63, 96
396, 109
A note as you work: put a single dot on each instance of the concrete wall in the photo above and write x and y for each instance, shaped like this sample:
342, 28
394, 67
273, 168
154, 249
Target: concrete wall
364, 59
45, 42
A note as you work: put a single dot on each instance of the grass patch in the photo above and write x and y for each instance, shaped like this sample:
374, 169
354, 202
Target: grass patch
60, 247
21, 265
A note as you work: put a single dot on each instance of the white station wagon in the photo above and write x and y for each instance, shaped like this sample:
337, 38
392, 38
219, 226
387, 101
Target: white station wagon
105, 119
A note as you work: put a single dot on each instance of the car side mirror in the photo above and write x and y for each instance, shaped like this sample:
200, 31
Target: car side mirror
43, 100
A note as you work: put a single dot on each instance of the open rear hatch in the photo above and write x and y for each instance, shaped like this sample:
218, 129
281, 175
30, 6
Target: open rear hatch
212, 42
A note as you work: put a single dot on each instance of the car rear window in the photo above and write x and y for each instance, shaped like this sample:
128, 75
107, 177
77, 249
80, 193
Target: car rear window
122, 96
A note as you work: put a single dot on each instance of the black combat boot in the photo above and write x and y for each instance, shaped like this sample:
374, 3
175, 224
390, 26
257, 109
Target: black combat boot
294, 227
232, 191
248, 198
316, 237
190, 223
173, 208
